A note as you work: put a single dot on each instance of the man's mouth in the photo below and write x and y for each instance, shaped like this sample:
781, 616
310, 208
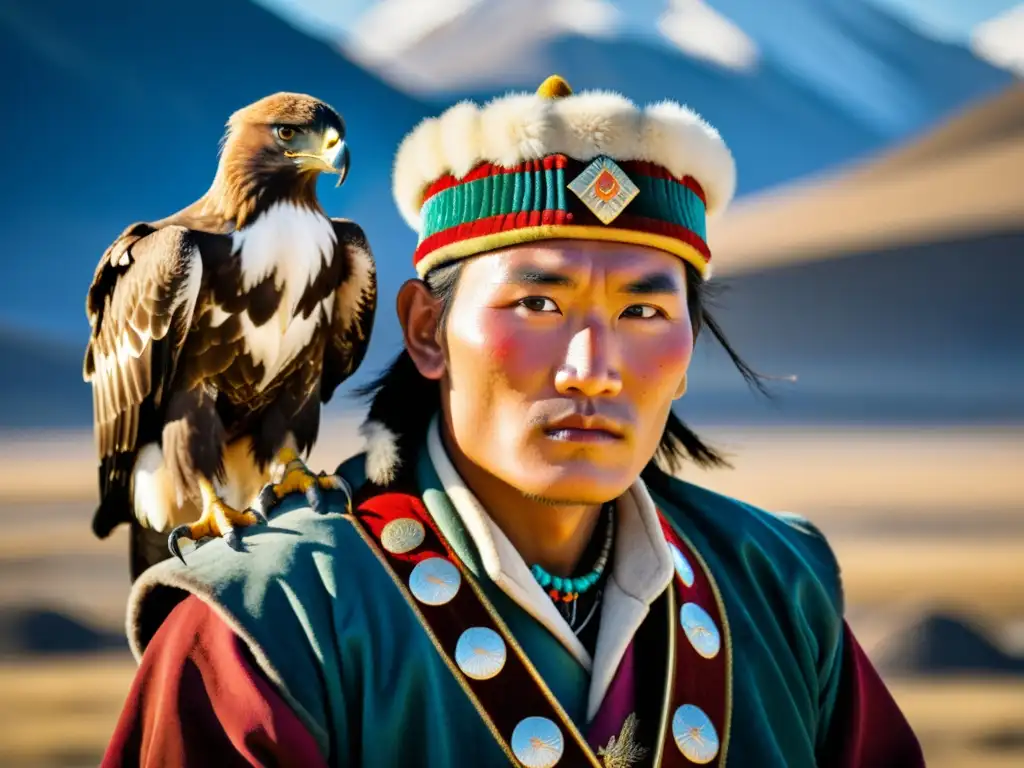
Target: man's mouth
584, 429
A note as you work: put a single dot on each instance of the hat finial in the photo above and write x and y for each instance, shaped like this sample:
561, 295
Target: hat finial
554, 87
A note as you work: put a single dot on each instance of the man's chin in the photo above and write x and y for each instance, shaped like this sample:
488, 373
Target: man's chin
565, 501
573, 484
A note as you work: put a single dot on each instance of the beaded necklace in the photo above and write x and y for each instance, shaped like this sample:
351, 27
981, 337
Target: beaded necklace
568, 589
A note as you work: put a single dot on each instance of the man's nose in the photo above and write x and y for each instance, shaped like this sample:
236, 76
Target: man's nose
591, 365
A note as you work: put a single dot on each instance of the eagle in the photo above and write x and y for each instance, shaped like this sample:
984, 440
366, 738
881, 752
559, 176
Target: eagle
218, 332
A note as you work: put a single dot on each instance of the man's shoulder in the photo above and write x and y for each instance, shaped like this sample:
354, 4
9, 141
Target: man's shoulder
792, 544
294, 539
300, 557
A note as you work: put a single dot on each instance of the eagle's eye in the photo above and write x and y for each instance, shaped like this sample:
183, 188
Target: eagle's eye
284, 133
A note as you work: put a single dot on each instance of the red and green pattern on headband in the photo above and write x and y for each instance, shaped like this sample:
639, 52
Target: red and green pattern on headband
491, 200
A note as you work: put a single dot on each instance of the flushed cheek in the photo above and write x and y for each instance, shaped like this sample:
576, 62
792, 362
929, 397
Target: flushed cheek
504, 348
514, 353
658, 363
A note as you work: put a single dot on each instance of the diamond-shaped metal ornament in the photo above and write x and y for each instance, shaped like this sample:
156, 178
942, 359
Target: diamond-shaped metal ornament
604, 188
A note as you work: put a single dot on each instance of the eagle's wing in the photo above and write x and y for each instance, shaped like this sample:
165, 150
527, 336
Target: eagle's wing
140, 307
355, 303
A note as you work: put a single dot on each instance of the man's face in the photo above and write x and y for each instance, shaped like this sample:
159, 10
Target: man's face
562, 361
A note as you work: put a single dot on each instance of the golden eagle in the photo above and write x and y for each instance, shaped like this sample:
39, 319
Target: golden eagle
218, 331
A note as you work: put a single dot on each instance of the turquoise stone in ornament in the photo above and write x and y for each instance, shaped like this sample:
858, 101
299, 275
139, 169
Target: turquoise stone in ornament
543, 577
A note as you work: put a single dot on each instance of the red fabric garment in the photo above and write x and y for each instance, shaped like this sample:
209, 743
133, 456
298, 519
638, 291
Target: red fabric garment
199, 699
868, 729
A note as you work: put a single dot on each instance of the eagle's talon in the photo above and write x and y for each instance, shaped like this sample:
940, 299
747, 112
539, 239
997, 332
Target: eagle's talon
315, 499
297, 477
217, 520
181, 532
261, 519
233, 540
265, 503
335, 482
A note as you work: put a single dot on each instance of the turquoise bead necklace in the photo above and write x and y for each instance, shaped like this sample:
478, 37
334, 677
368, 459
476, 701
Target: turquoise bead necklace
568, 589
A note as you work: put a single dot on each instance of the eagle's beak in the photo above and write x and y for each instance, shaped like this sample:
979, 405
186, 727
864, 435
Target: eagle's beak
333, 156
341, 163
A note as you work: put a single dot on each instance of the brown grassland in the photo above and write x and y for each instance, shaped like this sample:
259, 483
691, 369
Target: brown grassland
920, 520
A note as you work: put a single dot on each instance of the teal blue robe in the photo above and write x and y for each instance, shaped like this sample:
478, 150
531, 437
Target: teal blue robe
328, 625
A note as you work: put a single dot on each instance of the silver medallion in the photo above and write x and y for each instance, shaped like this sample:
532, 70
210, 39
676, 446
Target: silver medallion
480, 653
402, 535
700, 629
683, 567
434, 581
694, 734
537, 743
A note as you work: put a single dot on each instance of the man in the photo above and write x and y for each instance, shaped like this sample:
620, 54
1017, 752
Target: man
515, 577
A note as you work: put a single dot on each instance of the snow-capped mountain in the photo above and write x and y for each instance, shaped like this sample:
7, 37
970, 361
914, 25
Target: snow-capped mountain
795, 86
444, 46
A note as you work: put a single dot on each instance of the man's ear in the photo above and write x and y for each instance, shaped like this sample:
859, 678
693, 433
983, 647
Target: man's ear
420, 315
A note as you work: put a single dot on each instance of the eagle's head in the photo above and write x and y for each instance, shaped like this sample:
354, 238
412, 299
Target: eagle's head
275, 148
289, 135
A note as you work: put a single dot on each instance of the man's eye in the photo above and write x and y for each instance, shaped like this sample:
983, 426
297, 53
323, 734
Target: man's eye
641, 311
538, 304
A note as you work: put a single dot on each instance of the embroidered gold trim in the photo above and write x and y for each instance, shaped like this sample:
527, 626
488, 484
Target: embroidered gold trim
670, 677
456, 672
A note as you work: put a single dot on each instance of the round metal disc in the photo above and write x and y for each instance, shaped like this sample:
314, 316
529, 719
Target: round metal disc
537, 743
480, 653
694, 734
700, 629
402, 535
683, 567
434, 581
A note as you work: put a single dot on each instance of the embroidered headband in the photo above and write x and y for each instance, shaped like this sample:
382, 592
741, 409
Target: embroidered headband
554, 164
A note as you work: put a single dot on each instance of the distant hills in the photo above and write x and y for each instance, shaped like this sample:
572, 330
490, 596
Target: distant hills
26, 632
943, 644
964, 176
926, 332
41, 383
124, 104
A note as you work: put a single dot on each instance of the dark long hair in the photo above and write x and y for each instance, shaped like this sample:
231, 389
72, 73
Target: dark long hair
403, 401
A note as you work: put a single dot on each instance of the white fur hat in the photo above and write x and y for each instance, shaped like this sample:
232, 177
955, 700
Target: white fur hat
445, 164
